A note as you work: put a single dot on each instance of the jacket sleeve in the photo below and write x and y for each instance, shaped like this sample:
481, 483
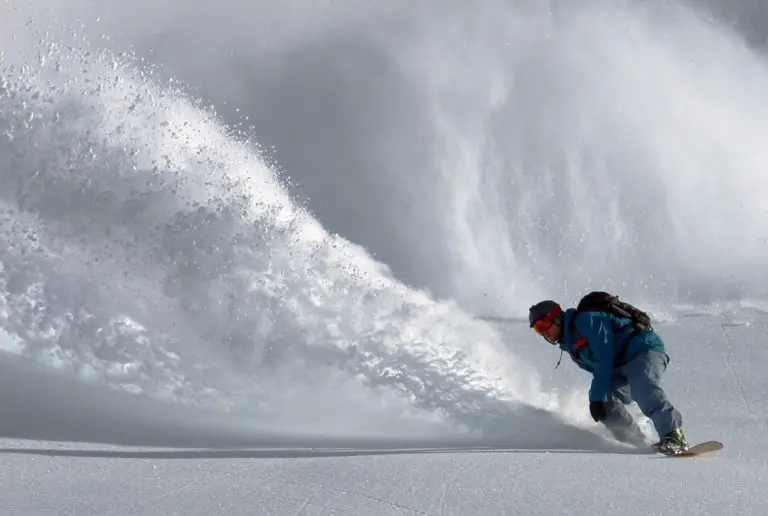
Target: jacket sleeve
598, 330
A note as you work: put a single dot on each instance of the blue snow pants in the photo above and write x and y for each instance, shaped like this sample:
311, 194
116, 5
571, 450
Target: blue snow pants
638, 380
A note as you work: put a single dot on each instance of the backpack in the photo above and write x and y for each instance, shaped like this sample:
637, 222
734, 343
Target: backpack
599, 301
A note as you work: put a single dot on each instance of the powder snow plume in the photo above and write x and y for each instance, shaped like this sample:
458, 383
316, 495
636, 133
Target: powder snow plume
295, 214
147, 246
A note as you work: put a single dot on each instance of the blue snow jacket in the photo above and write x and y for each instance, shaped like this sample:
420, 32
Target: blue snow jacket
606, 342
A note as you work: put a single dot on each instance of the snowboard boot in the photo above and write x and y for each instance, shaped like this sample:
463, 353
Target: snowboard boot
673, 443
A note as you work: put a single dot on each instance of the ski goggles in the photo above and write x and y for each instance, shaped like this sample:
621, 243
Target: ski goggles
543, 324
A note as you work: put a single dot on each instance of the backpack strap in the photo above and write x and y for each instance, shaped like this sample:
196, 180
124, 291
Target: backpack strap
581, 341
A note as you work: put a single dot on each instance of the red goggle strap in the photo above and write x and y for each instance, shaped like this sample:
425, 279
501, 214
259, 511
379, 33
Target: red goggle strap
549, 317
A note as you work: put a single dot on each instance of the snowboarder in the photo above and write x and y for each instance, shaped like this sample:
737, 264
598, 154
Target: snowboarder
626, 363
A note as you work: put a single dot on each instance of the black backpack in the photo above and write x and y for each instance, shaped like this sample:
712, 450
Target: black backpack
599, 301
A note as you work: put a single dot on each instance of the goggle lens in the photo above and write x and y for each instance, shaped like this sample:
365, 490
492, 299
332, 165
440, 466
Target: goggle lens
545, 323
542, 325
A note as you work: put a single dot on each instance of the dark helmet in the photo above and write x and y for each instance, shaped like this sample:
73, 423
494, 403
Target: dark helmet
541, 309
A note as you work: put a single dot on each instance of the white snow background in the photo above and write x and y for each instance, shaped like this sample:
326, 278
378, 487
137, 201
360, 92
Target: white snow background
276, 257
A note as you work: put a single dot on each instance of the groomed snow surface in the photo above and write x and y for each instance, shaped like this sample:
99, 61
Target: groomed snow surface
224, 467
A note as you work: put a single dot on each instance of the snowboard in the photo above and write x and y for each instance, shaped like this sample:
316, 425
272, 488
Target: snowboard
698, 449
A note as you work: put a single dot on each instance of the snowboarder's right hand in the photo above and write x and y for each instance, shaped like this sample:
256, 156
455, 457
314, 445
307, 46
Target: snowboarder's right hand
597, 410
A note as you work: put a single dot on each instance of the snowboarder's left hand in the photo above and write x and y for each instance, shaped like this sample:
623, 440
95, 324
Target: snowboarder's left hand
597, 410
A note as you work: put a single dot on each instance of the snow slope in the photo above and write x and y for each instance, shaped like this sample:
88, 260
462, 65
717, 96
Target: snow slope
276, 259
220, 466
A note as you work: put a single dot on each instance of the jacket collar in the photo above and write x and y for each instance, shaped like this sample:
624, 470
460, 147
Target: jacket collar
565, 339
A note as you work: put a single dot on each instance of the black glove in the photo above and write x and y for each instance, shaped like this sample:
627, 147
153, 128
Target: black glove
597, 410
